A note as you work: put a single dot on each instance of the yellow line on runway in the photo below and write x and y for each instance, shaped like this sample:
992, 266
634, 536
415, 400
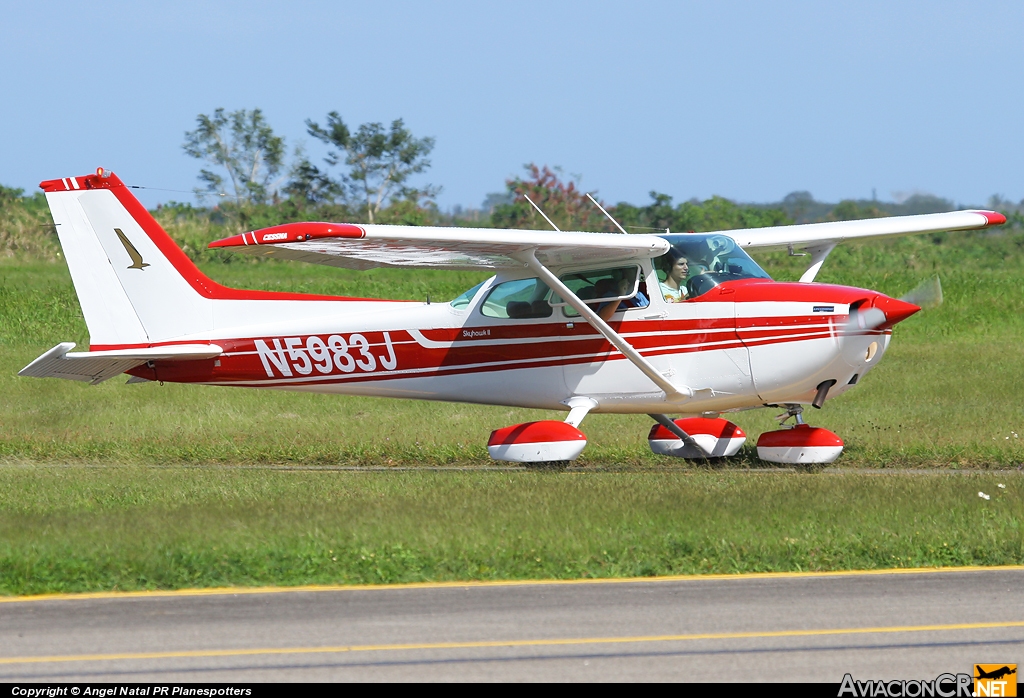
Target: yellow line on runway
227, 591
505, 643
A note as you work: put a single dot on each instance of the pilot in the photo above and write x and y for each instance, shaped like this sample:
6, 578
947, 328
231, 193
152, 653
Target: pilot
676, 268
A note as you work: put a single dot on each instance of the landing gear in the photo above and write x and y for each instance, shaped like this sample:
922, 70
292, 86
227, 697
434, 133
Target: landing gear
695, 438
547, 444
549, 465
799, 444
541, 444
794, 412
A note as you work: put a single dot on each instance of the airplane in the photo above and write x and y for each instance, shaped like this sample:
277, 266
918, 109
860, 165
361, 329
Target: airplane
576, 322
995, 674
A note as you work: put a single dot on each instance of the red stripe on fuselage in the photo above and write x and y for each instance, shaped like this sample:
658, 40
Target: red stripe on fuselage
242, 363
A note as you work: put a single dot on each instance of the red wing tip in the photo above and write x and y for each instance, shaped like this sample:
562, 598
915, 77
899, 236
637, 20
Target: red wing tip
233, 241
993, 217
292, 232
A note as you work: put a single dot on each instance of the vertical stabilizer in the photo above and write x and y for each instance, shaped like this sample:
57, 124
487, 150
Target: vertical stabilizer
120, 260
108, 312
137, 288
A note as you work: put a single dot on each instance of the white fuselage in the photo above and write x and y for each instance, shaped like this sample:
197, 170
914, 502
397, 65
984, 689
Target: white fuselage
737, 348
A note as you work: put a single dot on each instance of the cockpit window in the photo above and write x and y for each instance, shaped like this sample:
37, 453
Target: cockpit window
463, 301
519, 299
695, 264
531, 298
601, 286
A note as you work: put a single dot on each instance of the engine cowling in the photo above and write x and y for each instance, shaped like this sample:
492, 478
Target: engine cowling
801, 444
716, 437
537, 442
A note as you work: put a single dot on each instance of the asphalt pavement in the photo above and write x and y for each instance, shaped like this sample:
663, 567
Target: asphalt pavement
784, 628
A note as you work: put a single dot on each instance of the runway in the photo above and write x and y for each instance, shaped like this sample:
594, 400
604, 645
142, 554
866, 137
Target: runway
753, 628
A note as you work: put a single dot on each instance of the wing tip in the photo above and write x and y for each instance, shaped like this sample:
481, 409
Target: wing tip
993, 217
291, 232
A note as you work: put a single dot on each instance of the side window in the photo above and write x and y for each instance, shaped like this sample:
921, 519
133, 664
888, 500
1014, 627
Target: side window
519, 299
463, 301
605, 284
599, 286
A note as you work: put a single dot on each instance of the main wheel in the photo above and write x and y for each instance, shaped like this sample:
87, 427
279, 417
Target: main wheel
548, 465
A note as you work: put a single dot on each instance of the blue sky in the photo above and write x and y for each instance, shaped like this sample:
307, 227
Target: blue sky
743, 99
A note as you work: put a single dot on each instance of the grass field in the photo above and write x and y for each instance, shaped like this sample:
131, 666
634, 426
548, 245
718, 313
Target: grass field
130, 527
949, 391
147, 486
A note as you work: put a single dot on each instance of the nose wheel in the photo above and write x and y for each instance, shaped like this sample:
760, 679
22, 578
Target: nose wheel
794, 412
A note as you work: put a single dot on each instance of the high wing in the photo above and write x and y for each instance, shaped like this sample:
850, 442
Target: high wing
819, 239
472, 249
815, 234
369, 246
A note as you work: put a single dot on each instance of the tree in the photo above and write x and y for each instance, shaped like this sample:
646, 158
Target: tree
657, 216
563, 202
380, 162
850, 210
244, 145
309, 185
716, 213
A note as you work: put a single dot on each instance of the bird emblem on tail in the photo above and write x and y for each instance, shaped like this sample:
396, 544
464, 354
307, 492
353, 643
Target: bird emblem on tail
137, 262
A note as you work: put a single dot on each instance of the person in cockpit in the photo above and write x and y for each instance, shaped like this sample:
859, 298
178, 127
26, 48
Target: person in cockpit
676, 268
618, 286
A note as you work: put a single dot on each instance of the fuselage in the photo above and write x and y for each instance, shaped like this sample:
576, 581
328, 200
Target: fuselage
741, 344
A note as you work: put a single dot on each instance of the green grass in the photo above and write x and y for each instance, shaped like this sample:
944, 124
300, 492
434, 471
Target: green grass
87, 528
122, 510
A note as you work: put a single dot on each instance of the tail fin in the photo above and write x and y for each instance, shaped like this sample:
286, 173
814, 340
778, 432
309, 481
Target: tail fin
134, 284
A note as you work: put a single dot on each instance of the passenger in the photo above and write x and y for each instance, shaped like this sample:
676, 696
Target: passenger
676, 268
618, 286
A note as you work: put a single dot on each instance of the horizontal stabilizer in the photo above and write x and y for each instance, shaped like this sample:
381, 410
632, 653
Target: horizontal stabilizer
97, 366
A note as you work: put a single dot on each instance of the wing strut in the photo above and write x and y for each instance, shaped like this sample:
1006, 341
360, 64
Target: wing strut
664, 421
818, 255
672, 392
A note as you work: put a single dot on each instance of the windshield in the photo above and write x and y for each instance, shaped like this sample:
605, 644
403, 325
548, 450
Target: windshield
696, 263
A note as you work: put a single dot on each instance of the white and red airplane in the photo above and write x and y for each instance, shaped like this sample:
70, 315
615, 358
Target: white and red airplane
571, 321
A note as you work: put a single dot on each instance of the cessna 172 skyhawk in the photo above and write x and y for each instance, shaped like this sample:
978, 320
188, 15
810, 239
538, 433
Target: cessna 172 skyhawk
571, 321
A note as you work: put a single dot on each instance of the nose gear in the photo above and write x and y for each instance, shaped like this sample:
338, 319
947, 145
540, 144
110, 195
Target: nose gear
799, 443
792, 410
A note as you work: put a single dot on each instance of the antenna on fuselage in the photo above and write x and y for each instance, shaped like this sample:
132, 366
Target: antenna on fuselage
541, 212
608, 215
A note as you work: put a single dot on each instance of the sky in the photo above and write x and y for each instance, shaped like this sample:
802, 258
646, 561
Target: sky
747, 100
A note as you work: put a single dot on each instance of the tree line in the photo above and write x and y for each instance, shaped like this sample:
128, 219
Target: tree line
366, 176
249, 180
